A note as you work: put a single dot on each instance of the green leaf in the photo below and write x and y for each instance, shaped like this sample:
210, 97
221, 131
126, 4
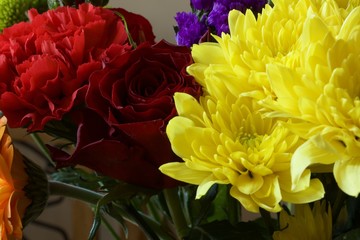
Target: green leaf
216, 205
81, 178
223, 230
52, 4
120, 192
95, 226
350, 235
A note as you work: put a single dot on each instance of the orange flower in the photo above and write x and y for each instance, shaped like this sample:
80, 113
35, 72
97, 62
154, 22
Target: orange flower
13, 179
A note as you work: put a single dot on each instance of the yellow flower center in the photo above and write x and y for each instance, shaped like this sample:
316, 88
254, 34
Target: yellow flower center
250, 140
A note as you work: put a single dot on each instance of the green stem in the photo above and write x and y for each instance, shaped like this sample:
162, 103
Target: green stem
176, 213
268, 220
116, 211
39, 142
68, 190
150, 234
233, 210
110, 228
338, 204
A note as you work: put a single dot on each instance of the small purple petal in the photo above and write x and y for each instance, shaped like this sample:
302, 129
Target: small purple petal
202, 4
190, 29
218, 18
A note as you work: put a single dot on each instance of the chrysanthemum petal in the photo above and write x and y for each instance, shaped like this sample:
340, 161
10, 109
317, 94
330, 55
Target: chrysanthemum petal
314, 151
180, 172
269, 196
187, 105
346, 173
247, 202
213, 56
310, 194
249, 184
176, 134
350, 22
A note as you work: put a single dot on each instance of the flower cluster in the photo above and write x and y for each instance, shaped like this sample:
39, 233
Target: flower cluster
280, 107
67, 67
209, 16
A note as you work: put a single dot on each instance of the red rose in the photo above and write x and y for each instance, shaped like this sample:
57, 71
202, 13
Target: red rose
45, 64
139, 27
138, 86
111, 152
133, 94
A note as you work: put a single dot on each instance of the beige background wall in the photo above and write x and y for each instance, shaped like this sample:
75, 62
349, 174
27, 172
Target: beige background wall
159, 12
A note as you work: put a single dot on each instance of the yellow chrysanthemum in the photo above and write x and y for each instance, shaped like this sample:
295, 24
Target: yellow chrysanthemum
322, 93
229, 142
239, 59
302, 57
13, 178
306, 224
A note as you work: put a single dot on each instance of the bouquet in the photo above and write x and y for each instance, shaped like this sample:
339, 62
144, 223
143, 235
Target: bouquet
254, 110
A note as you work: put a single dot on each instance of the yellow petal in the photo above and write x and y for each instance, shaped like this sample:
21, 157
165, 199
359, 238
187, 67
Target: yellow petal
310, 194
314, 29
350, 22
246, 201
181, 172
314, 151
346, 173
207, 53
249, 184
206, 184
269, 195
283, 81
175, 131
187, 105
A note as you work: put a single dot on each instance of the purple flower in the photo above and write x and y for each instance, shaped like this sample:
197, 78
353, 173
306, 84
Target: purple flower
255, 5
190, 29
218, 17
202, 4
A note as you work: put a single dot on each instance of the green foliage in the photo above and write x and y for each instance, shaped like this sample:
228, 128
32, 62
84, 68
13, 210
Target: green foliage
217, 216
84, 179
353, 234
226, 231
14, 11
73, 3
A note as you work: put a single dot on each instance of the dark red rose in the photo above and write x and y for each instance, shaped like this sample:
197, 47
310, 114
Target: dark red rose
45, 64
138, 86
115, 154
133, 95
139, 27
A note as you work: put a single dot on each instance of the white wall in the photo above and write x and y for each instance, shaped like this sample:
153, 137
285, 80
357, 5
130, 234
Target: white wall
160, 13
